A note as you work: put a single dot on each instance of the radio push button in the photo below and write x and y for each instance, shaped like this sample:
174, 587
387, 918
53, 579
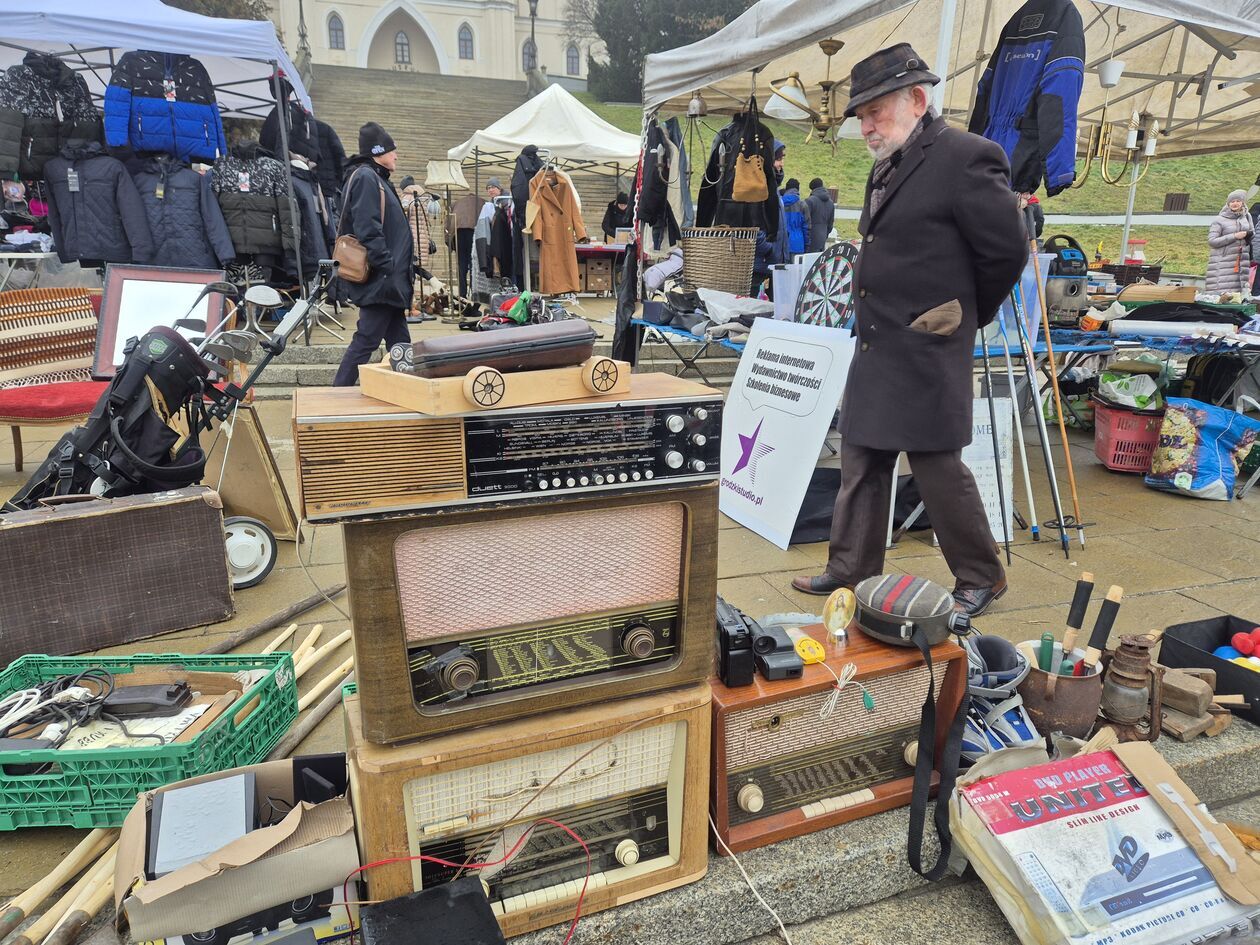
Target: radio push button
636, 475
750, 799
627, 852
585, 481
570, 482
648, 474
599, 479
623, 478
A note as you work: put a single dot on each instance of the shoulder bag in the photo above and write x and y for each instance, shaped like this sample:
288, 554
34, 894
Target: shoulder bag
750, 168
348, 253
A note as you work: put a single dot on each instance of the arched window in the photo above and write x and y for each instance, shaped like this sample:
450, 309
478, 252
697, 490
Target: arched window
336, 33
572, 61
402, 48
465, 42
529, 55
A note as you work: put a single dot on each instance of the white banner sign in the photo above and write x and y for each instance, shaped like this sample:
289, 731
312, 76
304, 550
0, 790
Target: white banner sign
978, 457
786, 390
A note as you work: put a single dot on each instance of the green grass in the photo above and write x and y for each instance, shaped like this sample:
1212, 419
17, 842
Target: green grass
1208, 179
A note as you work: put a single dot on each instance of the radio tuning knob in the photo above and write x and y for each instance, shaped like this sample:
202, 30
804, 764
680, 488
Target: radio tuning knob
675, 423
699, 439
700, 413
674, 459
627, 852
638, 641
698, 465
750, 799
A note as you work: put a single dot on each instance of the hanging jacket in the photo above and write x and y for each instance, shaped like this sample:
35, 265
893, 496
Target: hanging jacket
251, 190
317, 236
714, 206
387, 240
184, 217
1028, 95
331, 164
683, 175
44, 106
96, 215
654, 208
822, 218
415, 203
528, 164
796, 214
303, 131
500, 248
557, 227
164, 102
1229, 258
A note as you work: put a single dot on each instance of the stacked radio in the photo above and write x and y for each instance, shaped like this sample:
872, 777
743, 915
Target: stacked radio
532, 590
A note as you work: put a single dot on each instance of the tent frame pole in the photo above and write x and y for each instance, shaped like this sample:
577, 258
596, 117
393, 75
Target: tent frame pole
944, 43
282, 124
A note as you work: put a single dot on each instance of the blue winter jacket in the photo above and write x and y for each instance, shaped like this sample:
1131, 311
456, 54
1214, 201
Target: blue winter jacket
163, 102
1027, 98
795, 213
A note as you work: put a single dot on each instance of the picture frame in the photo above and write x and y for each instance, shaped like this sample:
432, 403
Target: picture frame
138, 298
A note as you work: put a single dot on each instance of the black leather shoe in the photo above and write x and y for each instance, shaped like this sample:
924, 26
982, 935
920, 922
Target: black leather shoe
821, 585
974, 601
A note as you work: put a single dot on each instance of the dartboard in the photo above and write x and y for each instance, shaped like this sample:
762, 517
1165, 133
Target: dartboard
826, 296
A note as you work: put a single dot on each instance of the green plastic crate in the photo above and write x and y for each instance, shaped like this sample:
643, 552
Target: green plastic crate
97, 788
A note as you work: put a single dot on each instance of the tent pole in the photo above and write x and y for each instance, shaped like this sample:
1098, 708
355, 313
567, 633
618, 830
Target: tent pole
282, 124
1128, 213
944, 43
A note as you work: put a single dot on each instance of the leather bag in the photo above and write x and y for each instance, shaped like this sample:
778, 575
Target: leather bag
348, 253
750, 184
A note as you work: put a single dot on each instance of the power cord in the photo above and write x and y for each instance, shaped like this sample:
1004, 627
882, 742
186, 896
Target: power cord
753, 889
302, 523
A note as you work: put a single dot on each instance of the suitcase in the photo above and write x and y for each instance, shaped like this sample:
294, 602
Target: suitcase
527, 348
92, 574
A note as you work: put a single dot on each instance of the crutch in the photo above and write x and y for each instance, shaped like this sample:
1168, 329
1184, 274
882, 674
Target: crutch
997, 451
1018, 430
1054, 375
1030, 366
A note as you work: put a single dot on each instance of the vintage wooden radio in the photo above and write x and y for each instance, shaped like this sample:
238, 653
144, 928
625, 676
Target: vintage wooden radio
469, 616
795, 756
358, 456
628, 777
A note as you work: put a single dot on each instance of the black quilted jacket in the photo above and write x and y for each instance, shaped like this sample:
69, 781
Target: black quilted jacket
102, 220
30, 130
187, 224
250, 187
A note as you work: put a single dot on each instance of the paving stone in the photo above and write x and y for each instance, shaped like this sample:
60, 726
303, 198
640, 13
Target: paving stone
1116, 560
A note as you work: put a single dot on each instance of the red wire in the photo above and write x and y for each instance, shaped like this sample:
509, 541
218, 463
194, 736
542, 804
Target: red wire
478, 866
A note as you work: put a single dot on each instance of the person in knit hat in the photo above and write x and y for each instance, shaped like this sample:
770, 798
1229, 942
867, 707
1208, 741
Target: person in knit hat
372, 214
1229, 238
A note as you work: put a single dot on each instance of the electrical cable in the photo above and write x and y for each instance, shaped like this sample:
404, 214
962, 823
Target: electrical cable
753, 889
306, 570
847, 675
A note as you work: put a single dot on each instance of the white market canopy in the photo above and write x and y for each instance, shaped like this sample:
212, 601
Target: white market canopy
90, 35
556, 120
1195, 67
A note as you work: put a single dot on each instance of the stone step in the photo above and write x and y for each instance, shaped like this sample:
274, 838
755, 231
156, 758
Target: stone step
845, 868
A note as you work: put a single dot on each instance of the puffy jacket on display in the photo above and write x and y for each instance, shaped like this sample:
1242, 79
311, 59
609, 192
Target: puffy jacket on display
317, 236
184, 217
251, 190
331, 164
387, 240
94, 209
1028, 95
164, 102
715, 206
303, 131
44, 106
654, 208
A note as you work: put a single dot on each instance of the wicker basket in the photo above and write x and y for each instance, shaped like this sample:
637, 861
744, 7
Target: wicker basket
719, 257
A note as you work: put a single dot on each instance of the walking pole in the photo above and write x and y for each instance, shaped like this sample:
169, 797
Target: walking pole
997, 450
1018, 429
1030, 366
1054, 376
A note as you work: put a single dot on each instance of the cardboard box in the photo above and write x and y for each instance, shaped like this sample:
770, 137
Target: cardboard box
1190, 645
598, 266
598, 283
311, 850
325, 915
582, 269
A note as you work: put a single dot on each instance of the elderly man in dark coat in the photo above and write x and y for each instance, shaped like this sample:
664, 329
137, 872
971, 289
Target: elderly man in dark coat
942, 244
372, 213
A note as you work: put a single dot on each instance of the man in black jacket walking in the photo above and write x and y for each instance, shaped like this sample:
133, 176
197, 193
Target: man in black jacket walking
372, 213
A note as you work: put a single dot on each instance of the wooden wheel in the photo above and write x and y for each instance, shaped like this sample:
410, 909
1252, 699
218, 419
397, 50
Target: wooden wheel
599, 375
826, 296
484, 386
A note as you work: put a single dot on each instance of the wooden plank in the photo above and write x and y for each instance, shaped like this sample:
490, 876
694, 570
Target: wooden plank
1222, 719
1185, 693
1184, 727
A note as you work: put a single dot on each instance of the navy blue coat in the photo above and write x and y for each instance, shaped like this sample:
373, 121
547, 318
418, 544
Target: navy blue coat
101, 219
184, 216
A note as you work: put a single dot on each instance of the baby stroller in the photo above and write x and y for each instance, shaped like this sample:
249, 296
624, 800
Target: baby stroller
128, 444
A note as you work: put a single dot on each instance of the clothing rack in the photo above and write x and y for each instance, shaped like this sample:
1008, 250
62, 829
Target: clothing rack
549, 163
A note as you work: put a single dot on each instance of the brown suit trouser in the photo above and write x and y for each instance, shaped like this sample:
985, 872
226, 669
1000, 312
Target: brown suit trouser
859, 526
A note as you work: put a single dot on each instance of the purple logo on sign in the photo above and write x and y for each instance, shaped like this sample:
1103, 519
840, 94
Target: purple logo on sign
751, 452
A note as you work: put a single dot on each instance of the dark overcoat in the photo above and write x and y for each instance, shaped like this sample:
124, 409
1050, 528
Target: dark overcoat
388, 241
943, 250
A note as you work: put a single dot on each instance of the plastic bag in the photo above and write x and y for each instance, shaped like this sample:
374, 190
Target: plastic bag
1201, 448
1129, 390
725, 307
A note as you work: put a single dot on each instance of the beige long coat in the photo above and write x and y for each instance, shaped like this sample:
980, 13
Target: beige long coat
556, 227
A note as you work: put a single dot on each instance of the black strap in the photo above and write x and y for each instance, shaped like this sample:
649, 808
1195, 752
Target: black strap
923, 766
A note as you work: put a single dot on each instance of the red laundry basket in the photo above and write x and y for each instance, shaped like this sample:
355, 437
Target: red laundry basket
1124, 438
